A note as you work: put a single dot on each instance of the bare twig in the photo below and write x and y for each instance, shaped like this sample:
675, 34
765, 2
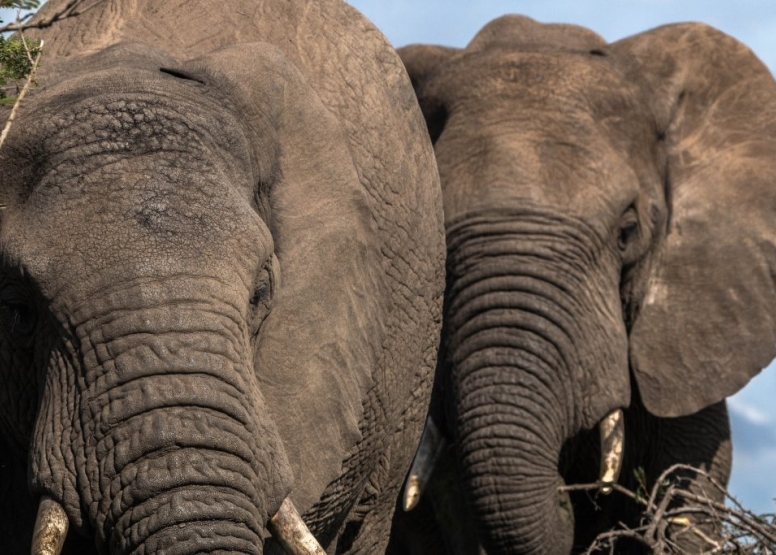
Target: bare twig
600, 485
672, 511
27, 48
609, 539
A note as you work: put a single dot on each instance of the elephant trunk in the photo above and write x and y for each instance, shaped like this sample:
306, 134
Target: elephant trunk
518, 347
173, 450
511, 427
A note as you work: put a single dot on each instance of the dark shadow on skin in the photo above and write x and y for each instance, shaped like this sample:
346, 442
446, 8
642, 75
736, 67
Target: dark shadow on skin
441, 524
646, 437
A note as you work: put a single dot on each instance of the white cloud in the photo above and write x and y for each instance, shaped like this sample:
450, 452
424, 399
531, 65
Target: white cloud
753, 414
751, 482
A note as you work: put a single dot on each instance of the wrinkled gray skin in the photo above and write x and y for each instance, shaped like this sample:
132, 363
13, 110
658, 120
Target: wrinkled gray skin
222, 278
610, 213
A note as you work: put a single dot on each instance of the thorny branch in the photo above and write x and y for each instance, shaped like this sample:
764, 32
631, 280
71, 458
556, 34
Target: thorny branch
671, 511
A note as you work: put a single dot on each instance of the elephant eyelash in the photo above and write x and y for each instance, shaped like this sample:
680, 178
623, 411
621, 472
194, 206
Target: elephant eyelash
19, 317
627, 235
260, 293
628, 231
261, 300
263, 287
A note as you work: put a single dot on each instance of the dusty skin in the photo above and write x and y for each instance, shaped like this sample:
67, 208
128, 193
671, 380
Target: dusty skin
610, 212
221, 282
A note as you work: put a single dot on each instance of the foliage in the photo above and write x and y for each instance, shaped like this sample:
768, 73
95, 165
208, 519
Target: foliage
19, 58
16, 61
20, 4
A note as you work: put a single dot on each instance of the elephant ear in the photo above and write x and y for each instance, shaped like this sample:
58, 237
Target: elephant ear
707, 319
317, 348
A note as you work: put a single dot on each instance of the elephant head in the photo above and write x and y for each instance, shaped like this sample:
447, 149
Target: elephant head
610, 217
221, 281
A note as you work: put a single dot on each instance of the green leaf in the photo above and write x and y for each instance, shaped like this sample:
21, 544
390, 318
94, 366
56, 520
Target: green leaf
20, 4
642, 493
15, 62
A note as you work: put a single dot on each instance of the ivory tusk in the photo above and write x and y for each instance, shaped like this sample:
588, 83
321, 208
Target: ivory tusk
612, 430
290, 531
431, 445
51, 526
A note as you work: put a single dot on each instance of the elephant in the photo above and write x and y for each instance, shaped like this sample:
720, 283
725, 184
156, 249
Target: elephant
222, 281
610, 212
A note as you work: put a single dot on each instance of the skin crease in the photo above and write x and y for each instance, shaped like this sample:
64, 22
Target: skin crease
221, 281
601, 202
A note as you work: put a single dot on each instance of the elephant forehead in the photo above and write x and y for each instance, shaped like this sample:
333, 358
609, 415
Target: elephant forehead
105, 116
137, 223
548, 127
76, 140
539, 77
590, 181
118, 187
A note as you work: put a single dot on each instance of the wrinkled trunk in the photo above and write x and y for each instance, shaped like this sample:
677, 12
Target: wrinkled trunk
172, 449
518, 357
510, 454
511, 426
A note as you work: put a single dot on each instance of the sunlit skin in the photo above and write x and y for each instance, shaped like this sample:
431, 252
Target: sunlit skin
601, 201
221, 279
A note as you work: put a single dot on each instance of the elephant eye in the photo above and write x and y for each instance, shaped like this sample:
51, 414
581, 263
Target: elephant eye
628, 231
17, 312
261, 293
261, 297
627, 235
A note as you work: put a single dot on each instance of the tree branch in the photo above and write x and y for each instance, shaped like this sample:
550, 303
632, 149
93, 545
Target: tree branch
722, 528
71, 9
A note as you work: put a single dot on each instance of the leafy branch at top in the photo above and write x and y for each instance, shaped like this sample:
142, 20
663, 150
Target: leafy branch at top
72, 8
17, 60
20, 4
17, 56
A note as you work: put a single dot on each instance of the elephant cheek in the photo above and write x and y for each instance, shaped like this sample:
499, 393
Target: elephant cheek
160, 439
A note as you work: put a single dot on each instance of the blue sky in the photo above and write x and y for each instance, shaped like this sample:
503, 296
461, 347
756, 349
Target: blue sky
454, 22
